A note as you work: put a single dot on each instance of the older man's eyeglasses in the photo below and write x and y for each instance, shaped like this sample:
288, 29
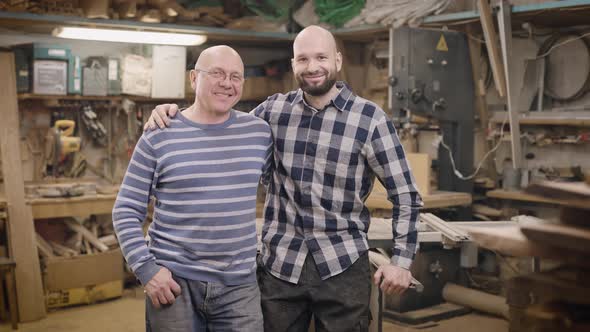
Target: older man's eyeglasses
220, 75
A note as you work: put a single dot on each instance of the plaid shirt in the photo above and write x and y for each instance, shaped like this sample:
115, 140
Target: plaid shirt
325, 164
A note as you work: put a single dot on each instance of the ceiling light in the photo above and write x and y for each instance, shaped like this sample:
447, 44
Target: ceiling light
130, 36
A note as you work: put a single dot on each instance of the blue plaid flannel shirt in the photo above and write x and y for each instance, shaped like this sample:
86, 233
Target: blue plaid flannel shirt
325, 162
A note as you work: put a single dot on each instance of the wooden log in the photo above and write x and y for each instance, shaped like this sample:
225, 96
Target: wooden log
63, 250
488, 303
109, 240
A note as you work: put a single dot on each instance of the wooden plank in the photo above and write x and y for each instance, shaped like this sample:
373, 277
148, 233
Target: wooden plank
505, 28
44, 208
557, 235
76, 227
481, 104
518, 195
511, 241
576, 191
45, 248
438, 199
487, 24
486, 210
31, 301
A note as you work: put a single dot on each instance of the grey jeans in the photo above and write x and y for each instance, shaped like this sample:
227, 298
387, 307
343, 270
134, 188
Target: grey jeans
205, 306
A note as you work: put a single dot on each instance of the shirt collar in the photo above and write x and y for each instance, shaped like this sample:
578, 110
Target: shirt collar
339, 102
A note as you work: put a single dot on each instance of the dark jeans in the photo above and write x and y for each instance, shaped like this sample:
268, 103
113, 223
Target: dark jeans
338, 304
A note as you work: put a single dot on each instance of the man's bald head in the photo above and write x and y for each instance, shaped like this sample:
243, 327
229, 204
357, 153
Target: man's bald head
316, 61
219, 52
218, 79
314, 33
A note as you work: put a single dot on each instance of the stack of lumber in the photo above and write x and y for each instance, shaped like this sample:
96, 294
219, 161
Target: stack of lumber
557, 299
82, 238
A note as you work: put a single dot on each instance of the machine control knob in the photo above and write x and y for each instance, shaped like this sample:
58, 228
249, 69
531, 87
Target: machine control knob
439, 105
430, 61
392, 81
444, 63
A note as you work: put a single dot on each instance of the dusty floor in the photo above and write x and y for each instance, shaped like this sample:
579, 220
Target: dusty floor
127, 315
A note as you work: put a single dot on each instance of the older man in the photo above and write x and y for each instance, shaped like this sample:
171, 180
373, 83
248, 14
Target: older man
199, 265
329, 146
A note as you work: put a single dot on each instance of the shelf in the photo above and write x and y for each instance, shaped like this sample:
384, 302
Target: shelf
549, 118
30, 96
552, 13
37, 23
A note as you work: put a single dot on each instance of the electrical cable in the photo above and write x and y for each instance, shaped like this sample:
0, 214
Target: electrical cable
469, 177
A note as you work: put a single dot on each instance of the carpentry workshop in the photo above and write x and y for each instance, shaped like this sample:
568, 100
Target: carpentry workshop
294, 165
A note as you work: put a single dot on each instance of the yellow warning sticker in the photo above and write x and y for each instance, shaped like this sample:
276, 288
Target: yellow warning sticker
442, 44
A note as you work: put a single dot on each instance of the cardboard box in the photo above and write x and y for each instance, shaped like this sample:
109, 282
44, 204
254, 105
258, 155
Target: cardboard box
137, 75
169, 66
27, 54
50, 77
94, 78
63, 273
42, 51
84, 295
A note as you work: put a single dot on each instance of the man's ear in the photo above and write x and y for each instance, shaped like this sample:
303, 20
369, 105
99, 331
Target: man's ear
193, 77
338, 61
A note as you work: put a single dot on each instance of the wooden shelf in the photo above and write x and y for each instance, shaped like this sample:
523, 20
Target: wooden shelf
45, 23
552, 13
30, 96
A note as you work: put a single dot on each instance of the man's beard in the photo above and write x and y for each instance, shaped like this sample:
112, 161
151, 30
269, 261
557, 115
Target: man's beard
317, 90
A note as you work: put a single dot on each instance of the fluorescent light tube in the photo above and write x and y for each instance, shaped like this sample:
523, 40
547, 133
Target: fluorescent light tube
130, 36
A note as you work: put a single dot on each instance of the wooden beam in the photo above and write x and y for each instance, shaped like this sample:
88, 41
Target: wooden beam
31, 301
481, 104
487, 23
505, 27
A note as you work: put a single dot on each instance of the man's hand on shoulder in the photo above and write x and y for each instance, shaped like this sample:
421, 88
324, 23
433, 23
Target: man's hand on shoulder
392, 279
161, 116
162, 289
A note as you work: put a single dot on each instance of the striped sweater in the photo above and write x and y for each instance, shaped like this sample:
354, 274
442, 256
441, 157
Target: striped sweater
204, 180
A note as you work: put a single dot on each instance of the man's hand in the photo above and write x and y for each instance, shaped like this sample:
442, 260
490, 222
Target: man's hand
395, 279
162, 289
161, 116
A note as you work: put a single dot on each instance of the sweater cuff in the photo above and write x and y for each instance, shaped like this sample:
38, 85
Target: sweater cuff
147, 271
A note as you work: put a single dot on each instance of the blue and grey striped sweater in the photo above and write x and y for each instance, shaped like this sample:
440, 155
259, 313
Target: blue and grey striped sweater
204, 180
